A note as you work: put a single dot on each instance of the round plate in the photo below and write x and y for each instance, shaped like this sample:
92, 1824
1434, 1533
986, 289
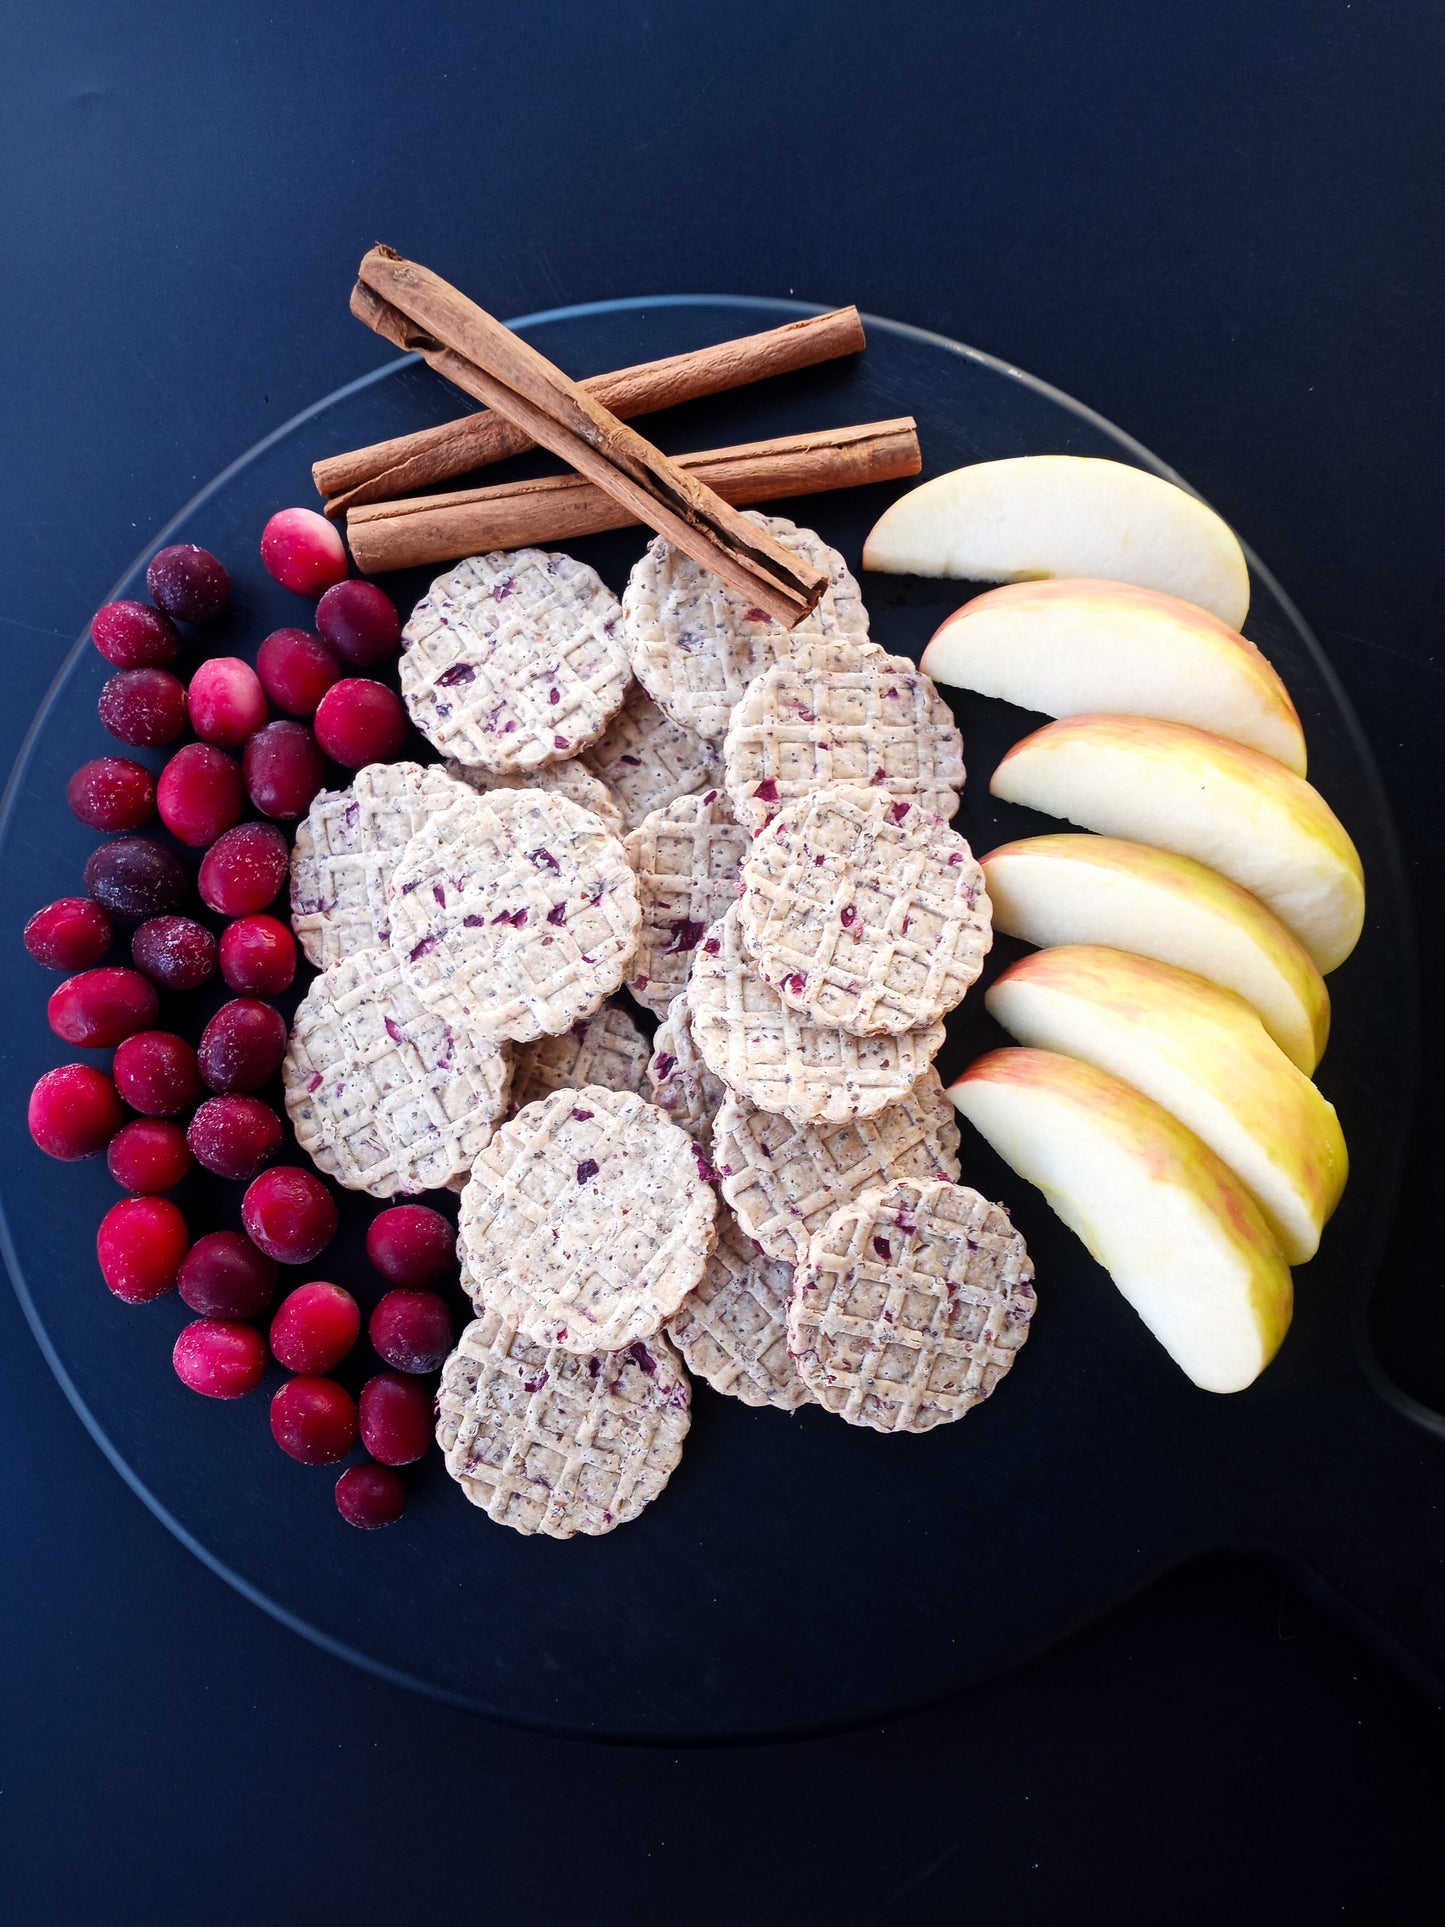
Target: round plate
797, 1573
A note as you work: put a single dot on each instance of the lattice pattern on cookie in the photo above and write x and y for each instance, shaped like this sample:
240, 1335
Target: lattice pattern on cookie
685, 857
732, 1327
346, 848
514, 659
646, 759
910, 1306
825, 715
586, 1221
559, 1442
864, 911
383, 1094
571, 779
682, 1084
606, 1048
514, 913
695, 646
785, 1180
811, 1073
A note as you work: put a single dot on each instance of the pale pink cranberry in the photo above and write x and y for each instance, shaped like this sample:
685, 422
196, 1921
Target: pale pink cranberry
112, 793
133, 635
235, 1137
223, 1275
243, 870
290, 1214
135, 877
411, 1330
176, 952
303, 551
360, 622
226, 701
258, 954
359, 721
148, 1155
396, 1418
70, 934
220, 1358
140, 1244
296, 670
315, 1327
242, 1046
155, 1072
188, 583
370, 1496
284, 769
100, 1007
410, 1244
200, 794
74, 1112
144, 707
314, 1420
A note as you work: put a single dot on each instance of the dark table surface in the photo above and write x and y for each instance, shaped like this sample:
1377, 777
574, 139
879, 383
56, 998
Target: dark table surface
1220, 227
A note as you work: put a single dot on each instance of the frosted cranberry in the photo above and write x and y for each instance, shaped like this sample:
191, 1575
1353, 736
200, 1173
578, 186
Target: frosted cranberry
74, 1112
147, 1155
188, 583
370, 1495
243, 870
100, 1007
144, 707
135, 877
296, 670
396, 1418
234, 1136
303, 551
359, 721
315, 1327
411, 1330
411, 1244
176, 952
140, 1244
223, 1275
258, 954
133, 635
155, 1072
284, 769
290, 1214
242, 1046
360, 622
200, 794
112, 793
314, 1420
220, 1358
226, 701
70, 934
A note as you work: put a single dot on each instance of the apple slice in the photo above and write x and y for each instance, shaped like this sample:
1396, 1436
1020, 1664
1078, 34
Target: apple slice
1081, 648
1179, 1235
1204, 1055
1037, 516
1202, 796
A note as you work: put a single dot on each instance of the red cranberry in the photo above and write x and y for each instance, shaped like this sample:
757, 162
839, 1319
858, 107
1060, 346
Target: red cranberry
112, 793
370, 1495
411, 1244
100, 1007
243, 870
74, 1112
220, 1358
140, 1244
359, 721
70, 934
284, 769
175, 952
396, 1418
226, 701
258, 954
242, 1046
135, 878
296, 670
147, 1155
144, 707
411, 1330
290, 1214
188, 583
314, 1420
200, 793
133, 635
223, 1275
234, 1136
315, 1327
360, 622
303, 551
155, 1072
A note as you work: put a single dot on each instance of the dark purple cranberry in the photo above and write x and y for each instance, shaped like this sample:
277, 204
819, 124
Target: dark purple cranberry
284, 769
223, 1275
370, 1496
144, 707
188, 583
176, 952
136, 878
360, 623
242, 1046
133, 635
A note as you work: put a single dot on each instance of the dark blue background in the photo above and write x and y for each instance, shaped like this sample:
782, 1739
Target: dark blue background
1219, 227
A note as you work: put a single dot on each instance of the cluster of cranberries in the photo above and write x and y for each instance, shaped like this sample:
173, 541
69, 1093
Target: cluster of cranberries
199, 1105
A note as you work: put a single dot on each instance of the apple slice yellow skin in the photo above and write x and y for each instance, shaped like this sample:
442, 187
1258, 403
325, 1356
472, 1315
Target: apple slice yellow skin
1032, 517
1072, 888
1075, 648
1201, 1053
1179, 1235
1201, 795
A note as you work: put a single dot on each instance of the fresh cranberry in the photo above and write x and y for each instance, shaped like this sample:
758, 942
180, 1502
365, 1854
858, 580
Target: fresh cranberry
360, 622
140, 1244
70, 934
147, 1155
315, 1327
296, 670
243, 870
112, 793
135, 878
411, 1244
359, 721
303, 551
176, 952
242, 1046
226, 701
370, 1496
396, 1418
133, 635
411, 1330
144, 707
74, 1112
223, 1275
220, 1358
200, 794
258, 954
235, 1137
155, 1072
290, 1214
100, 1007
284, 769
188, 583
314, 1420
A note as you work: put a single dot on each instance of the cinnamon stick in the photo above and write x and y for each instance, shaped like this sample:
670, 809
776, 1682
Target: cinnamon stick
473, 348
409, 463
558, 508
